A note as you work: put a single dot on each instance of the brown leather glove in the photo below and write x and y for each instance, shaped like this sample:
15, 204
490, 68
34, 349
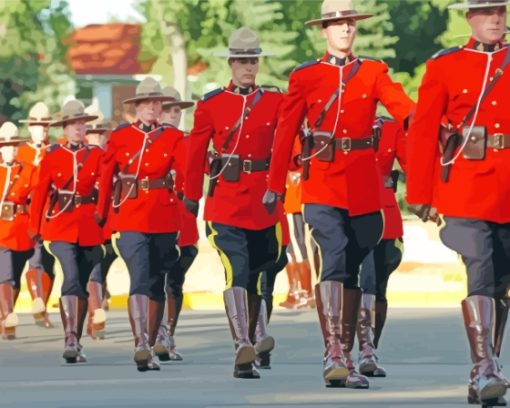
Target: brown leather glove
191, 206
426, 213
100, 221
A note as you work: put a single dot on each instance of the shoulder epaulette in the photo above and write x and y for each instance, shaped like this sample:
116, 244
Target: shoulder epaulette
307, 64
442, 53
212, 94
122, 125
53, 147
365, 58
271, 88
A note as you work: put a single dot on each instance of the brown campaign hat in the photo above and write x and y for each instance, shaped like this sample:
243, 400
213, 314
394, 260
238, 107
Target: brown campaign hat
476, 4
96, 125
148, 89
71, 111
9, 135
176, 99
243, 43
332, 10
39, 114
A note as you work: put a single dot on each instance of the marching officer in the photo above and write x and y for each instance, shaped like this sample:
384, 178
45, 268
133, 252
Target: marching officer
141, 156
62, 213
338, 94
387, 255
40, 275
464, 93
16, 246
95, 135
165, 347
240, 120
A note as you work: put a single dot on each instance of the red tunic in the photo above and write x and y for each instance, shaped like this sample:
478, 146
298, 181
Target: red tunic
239, 203
14, 234
78, 226
155, 210
352, 180
451, 86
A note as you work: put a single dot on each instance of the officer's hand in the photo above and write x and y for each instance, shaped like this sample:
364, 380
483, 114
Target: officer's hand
425, 212
295, 177
269, 200
434, 217
191, 206
100, 221
34, 236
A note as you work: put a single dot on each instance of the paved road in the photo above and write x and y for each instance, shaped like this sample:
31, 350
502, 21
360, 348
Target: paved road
423, 350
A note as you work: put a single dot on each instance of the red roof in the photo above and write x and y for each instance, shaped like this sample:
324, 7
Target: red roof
106, 49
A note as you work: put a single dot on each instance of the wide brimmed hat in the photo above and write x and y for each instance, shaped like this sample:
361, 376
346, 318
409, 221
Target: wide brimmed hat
332, 10
476, 4
9, 135
243, 43
97, 125
39, 114
148, 89
71, 111
176, 99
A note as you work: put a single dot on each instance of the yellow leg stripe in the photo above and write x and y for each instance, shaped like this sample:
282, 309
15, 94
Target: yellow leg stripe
259, 284
229, 271
320, 254
114, 239
279, 238
58, 265
103, 248
399, 244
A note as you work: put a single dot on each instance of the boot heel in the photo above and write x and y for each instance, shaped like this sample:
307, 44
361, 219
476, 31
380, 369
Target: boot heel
246, 371
335, 383
245, 354
161, 352
10, 324
265, 345
70, 356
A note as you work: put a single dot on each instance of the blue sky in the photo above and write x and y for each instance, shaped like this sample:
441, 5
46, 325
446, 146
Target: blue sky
84, 12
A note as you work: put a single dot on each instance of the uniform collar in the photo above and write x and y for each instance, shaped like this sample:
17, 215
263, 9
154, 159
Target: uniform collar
146, 128
74, 147
240, 90
480, 46
333, 60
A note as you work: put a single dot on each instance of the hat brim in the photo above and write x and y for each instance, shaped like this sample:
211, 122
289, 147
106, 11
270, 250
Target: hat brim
319, 21
86, 118
16, 141
161, 98
36, 122
180, 104
228, 54
466, 6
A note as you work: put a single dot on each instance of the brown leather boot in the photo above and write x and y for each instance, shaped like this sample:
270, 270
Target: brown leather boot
351, 299
69, 316
82, 315
328, 295
39, 285
306, 298
485, 384
174, 304
264, 343
97, 316
292, 300
9, 319
368, 363
381, 310
137, 310
236, 307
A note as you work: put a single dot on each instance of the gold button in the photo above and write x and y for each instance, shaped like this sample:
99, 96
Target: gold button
389, 150
364, 96
344, 131
268, 123
146, 164
247, 136
497, 125
146, 150
92, 174
494, 103
464, 91
127, 154
227, 128
249, 155
342, 111
165, 154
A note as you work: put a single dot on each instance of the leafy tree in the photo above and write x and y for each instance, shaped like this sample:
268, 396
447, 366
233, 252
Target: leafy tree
32, 57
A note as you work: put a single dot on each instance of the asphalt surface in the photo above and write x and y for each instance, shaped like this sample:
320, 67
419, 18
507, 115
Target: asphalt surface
423, 350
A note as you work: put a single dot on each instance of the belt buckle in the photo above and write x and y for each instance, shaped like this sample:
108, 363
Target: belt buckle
247, 166
77, 200
346, 144
499, 141
144, 184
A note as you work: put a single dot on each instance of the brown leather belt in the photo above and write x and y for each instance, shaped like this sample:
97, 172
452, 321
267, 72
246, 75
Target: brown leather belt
346, 144
250, 166
77, 200
9, 210
498, 141
147, 184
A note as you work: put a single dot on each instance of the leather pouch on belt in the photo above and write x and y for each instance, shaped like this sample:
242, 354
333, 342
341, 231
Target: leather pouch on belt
129, 187
324, 144
64, 204
7, 212
231, 165
476, 146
